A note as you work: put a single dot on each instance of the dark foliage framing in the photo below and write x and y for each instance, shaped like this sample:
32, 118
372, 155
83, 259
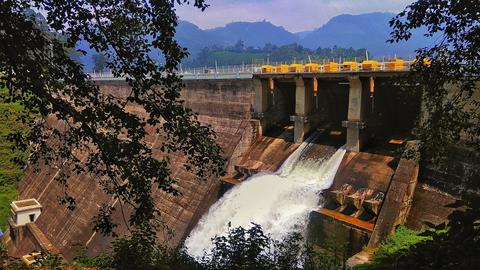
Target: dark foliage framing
451, 100
97, 135
449, 84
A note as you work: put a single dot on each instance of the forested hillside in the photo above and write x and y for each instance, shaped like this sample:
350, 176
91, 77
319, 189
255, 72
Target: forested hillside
369, 31
239, 54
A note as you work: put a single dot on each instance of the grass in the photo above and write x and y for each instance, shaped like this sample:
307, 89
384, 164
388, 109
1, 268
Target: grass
8, 193
10, 172
388, 252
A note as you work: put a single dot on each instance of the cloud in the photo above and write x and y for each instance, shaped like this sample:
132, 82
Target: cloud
294, 15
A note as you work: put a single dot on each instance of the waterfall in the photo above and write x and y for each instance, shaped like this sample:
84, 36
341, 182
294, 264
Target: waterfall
280, 202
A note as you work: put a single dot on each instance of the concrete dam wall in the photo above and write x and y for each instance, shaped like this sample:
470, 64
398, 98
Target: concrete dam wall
223, 104
258, 135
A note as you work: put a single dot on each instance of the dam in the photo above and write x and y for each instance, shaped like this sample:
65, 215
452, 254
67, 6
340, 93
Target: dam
261, 126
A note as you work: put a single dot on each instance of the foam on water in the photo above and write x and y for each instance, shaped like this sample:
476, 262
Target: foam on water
280, 202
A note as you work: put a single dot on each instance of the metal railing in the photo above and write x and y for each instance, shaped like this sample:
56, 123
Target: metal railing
221, 72
247, 71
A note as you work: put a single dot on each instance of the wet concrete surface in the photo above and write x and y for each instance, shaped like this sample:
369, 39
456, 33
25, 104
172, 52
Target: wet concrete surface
268, 152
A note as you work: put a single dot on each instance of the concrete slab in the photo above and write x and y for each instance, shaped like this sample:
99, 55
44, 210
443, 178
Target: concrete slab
364, 170
397, 203
329, 232
360, 258
268, 152
429, 206
348, 220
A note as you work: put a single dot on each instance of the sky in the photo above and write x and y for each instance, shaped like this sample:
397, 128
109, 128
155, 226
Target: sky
293, 15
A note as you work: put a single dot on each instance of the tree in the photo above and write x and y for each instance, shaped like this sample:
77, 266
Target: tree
3, 253
239, 46
99, 62
269, 47
239, 249
446, 72
49, 261
252, 249
38, 72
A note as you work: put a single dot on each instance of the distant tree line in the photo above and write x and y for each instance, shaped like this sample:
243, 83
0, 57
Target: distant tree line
240, 54
99, 62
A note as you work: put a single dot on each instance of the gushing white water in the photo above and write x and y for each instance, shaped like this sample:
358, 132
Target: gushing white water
280, 202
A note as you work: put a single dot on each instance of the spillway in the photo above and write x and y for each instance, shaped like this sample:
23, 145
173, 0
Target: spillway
280, 202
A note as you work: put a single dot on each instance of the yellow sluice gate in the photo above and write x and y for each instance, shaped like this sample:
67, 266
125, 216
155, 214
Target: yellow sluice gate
395, 65
312, 67
281, 68
331, 67
267, 69
296, 68
370, 65
349, 66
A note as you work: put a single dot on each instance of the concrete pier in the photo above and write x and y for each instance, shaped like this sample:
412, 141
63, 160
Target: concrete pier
303, 107
262, 104
355, 122
306, 117
352, 107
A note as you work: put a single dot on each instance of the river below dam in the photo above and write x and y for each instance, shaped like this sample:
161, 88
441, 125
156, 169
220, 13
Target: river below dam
280, 202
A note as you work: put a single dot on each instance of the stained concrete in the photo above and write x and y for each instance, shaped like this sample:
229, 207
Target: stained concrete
457, 172
397, 203
24, 239
226, 105
429, 207
332, 234
361, 257
304, 105
364, 170
268, 152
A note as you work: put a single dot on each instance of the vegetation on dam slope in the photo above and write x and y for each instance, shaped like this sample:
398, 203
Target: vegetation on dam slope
10, 172
389, 252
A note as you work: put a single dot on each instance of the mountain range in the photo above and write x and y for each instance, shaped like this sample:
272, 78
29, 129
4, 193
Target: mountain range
370, 31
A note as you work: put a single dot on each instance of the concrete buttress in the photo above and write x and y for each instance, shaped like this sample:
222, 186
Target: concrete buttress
355, 123
304, 101
262, 103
